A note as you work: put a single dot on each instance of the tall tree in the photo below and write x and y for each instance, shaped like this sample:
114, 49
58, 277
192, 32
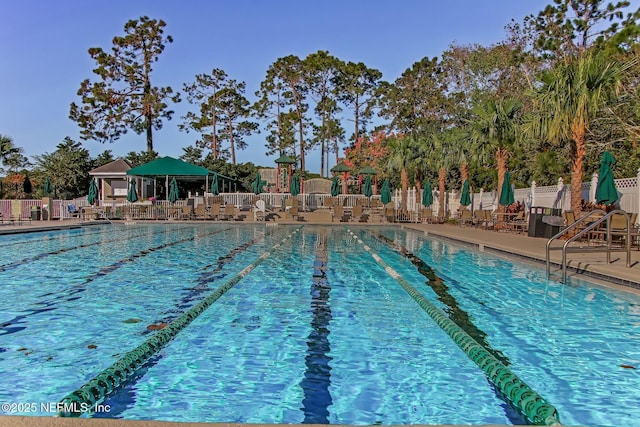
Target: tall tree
204, 92
416, 100
321, 70
494, 130
357, 85
234, 112
124, 97
568, 27
569, 98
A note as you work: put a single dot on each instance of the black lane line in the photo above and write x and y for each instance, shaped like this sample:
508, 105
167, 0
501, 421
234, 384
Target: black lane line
459, 317
452, 309
207, 278
70, 294
317, 376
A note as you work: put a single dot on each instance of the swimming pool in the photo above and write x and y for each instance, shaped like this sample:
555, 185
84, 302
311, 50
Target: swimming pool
317, 331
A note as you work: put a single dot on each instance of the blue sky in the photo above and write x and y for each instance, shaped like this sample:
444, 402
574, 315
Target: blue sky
43, 51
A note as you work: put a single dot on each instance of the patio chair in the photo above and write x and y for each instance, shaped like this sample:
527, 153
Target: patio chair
389, 212
187, 212
357, 213
73, 211
466, 218
201, 212
229, 212
215, 211
519, 223
292, 213
337, 213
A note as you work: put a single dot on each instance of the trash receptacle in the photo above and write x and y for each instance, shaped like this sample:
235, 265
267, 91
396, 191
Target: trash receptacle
543, 222
35, 213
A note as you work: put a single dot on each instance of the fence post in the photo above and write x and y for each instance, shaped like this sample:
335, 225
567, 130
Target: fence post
533, 193
638, 197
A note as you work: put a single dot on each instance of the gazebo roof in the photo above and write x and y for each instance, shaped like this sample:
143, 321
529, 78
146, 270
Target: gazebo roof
284, 159
169, 166
368, 171
340, 167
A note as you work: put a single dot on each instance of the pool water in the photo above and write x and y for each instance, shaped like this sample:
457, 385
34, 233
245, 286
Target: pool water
317, 332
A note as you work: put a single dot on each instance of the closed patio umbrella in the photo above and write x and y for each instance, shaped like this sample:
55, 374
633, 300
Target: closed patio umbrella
132, 195
385, 192
427, 195
93, 192
215, 190
335, 186
48, 187
506, 195
368, 186
606, 191
173, 190
257, 184
465, 197
295, 185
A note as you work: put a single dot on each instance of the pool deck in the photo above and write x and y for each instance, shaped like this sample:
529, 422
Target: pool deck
531, 249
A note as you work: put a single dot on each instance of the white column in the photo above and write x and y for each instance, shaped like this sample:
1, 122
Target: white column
533, 193
638, 197
592, 188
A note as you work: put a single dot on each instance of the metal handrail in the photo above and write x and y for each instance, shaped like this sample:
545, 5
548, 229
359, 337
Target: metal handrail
606, 217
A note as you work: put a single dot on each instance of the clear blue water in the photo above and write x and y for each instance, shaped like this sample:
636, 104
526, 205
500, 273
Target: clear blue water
285, 345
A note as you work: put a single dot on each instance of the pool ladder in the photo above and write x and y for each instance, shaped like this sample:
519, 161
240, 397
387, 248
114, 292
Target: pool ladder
608, 247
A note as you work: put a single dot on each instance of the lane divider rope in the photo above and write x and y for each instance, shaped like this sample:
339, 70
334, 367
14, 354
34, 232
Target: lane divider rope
530, 404
95, 390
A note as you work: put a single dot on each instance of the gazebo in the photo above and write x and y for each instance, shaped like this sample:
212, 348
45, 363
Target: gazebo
288, 162
165, 167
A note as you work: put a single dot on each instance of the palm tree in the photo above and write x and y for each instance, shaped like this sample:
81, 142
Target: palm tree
7, 149
494, 131
441, 149
402, 150
570, 97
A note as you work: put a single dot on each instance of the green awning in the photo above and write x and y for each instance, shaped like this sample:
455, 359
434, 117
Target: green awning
169, 166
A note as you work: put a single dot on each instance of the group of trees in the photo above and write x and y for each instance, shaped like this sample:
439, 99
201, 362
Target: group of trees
545, 102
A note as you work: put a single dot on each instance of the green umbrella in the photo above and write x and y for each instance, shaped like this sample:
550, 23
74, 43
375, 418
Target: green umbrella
506, 195
215, 190
26, 185
48, 187
93, 192
385, 192
132, 196
257, 184
173, 190
368, 186
335, 186
606, 191
465, 197
427, 195
295, 185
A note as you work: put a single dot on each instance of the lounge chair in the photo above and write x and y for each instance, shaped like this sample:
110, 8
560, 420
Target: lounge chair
389, 212
187, 212
292, 213
229, 212
215, 211
357, 213
466, 218
201, 212
73, 211
337, 213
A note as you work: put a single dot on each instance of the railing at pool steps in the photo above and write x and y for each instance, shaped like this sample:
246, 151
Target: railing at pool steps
582, 232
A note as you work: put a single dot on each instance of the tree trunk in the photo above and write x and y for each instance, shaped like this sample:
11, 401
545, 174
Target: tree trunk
301, 136
578, 131
231, 141
464, 171
501, 161
442, 176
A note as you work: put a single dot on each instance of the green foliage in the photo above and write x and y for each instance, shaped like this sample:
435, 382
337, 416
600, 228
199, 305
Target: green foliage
68, 167
124, 98
103, 158
142, 157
